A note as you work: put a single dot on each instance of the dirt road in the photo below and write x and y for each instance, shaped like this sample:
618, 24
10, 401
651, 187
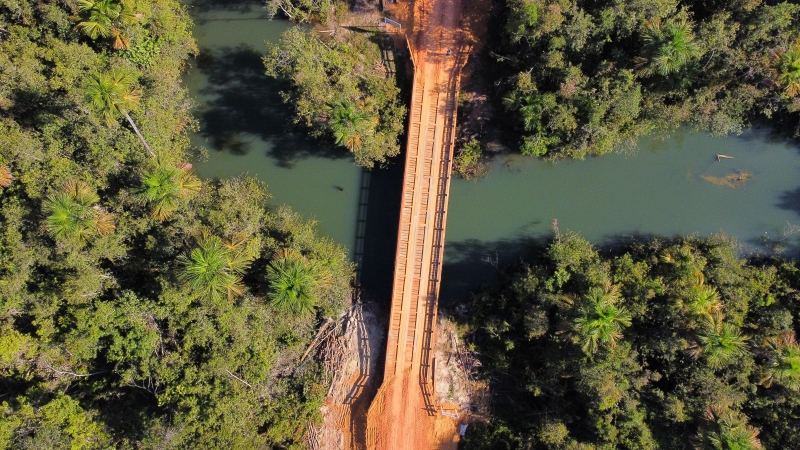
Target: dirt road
403, 414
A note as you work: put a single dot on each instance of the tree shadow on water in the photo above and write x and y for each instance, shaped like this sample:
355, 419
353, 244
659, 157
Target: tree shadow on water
474, 263
779, 131
245, 103
226, 5
790, 200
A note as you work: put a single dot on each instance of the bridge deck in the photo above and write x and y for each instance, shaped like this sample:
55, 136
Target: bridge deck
423, 214
407, 392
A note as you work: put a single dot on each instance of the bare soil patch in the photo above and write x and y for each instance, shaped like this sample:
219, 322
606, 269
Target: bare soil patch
455, 375
358, 346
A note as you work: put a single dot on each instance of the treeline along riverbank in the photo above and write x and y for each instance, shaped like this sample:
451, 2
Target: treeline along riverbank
141, 307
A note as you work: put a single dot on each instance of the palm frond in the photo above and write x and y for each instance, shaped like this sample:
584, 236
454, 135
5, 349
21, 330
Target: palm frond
104, 222
602, 320
291, 286
783, 365
68, 220
721, 342
6, 178
188, 184
120, 40
95, 27
81, 192
164, 187
205, 269
668, 46
788, 68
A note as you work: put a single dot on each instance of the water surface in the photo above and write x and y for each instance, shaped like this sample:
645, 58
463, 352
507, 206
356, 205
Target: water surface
247, 129
658, 191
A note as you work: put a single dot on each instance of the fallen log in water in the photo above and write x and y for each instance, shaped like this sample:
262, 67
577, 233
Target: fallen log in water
720, 156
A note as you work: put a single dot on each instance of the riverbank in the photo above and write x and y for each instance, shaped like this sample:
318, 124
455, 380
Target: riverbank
656, 190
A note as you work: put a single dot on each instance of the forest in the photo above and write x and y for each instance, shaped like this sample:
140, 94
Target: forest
578, 78
662, 344
587, 78
340, 88
141, 307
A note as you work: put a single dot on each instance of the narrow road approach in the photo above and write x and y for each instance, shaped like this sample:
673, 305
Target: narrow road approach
403, 414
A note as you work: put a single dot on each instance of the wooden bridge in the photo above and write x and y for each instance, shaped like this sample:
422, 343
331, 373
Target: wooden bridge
398, 414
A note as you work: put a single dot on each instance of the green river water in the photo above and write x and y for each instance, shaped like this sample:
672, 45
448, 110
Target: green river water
658, 190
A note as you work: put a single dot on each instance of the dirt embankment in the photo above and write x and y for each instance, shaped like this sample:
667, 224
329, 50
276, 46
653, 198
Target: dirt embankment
455, 375
355, 350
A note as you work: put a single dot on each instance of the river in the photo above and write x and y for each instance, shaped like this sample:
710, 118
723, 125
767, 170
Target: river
666, 187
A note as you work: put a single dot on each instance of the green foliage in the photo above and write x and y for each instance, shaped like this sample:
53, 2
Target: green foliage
59, 423
144, 53
339, 92
662, 345
73, 216
291, 286
467, 162
592, 77
164, 188
300, 10
115, 329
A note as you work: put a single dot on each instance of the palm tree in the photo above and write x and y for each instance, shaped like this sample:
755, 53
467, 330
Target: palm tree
73, 216
97, 17
111, 95
347, 124
688, 265
788, 69
121, 41
668, 46
529, 107
727, 430
703, 301
164, 187
103, 18
720, 342
214, 267
5, 177
602, 320
291, 286
783, 365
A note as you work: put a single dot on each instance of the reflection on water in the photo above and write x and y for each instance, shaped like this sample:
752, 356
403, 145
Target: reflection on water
248, 130
664, 189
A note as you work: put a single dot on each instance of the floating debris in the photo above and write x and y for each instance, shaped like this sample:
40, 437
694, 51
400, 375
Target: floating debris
732, 179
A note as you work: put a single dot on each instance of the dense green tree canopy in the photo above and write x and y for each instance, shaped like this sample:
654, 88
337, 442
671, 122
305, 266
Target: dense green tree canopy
590, 77
135, 307
664, 344
340, 90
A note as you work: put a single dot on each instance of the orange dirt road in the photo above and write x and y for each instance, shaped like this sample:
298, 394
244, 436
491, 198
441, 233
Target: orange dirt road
403, 414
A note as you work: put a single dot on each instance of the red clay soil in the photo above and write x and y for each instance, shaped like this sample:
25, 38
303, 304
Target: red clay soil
403, 414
